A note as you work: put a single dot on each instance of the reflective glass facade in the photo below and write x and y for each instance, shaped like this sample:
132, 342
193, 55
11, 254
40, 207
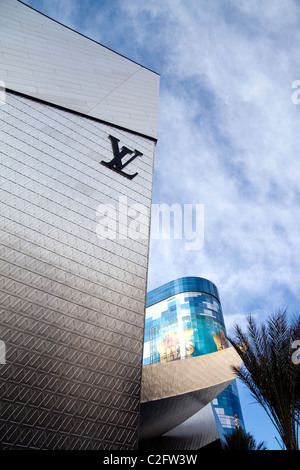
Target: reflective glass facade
184, 319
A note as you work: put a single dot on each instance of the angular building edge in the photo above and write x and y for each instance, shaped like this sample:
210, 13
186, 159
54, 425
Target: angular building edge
168, 379
172, 392
88, 78
189, 398
75, 364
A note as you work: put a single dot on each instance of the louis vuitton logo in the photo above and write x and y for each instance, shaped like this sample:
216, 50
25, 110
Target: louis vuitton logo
116, 163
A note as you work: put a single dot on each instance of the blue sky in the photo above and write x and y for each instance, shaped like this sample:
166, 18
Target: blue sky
228, 139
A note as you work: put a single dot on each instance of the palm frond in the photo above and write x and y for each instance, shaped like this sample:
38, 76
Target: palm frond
268, 371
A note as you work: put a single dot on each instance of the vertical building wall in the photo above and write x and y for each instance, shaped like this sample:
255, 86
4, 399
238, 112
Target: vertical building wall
72, 276
72, 303
46, 60
184, 319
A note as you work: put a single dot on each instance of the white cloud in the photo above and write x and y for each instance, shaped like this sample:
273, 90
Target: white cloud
62, 12
228, 133
233, 147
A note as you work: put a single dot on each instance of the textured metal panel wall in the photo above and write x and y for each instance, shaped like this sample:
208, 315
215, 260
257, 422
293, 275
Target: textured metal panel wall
72, 305
44, 59
200, 430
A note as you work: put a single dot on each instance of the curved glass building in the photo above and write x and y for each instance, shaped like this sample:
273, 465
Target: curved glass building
184, 320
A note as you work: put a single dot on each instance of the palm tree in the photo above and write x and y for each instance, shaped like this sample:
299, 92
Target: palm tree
269, 372
240, 440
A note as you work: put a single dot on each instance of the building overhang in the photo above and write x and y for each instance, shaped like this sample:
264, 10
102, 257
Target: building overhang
174, 391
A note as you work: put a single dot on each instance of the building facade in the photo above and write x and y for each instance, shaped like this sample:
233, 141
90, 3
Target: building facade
78, 134
184, 320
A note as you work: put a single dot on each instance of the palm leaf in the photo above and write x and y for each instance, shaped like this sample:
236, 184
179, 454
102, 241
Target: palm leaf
269, 372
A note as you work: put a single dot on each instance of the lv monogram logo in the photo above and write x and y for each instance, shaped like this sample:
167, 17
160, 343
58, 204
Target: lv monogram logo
116, 163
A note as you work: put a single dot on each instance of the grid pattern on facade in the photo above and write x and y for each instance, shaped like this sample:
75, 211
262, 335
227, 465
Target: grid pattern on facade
72, 304
182, 327
228, 409
46, 60
189, 324
184, 284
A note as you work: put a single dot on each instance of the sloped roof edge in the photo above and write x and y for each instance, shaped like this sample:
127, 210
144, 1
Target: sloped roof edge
46, 60
168, 379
